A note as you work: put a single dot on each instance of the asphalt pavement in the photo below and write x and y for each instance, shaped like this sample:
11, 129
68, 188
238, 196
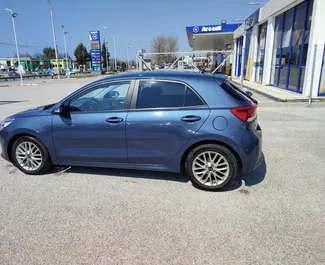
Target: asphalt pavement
275, 215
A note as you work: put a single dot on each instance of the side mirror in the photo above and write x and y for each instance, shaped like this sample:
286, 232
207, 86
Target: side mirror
248, 93
64, 108
115, 94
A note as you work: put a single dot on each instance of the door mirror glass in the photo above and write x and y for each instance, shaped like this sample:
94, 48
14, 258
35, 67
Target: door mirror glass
64, 109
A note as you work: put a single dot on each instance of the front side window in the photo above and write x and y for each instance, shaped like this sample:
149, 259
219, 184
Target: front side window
104, 97
158, 94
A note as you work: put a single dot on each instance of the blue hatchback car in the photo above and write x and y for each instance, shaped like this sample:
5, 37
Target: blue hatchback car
196, 123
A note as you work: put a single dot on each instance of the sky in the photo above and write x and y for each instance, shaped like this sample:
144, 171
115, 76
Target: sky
134, 22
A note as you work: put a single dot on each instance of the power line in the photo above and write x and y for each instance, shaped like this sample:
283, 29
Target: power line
26, 46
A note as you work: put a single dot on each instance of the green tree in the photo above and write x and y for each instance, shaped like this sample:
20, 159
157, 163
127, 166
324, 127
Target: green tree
49, 53
81, 54
104, 54
123, 66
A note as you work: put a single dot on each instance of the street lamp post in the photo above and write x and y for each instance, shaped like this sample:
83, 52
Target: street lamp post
115, 52
13, 16
66, 53
54, 39
127, 56
106, 45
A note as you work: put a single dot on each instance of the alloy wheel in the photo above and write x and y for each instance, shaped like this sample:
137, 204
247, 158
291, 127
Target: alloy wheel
29, 156
211, 168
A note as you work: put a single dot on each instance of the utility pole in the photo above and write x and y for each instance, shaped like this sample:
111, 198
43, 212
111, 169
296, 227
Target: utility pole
66, 53
127, 55
13, 16
115, 52
54, 39
106, 45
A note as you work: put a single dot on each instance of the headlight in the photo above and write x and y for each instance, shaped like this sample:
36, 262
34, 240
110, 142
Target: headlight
5, 123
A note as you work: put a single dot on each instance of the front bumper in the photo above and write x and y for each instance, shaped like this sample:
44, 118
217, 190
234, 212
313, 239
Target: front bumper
4, 139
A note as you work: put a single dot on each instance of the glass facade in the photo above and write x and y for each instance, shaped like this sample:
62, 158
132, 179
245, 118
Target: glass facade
262, 31
248, 59
290, 48
321, 91
239, 56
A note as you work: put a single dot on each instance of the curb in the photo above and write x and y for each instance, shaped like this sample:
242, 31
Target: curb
10, 85
30, 85
277, 98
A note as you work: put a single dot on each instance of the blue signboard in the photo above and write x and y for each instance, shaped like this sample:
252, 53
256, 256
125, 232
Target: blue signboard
225, 28
95, 50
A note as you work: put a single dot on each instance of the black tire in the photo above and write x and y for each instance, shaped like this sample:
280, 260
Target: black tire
46, 161
226, 153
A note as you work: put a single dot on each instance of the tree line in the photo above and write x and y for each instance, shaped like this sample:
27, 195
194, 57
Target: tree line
160, 44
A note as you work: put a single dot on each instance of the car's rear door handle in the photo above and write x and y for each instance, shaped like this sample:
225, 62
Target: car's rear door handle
114, 120
191, 118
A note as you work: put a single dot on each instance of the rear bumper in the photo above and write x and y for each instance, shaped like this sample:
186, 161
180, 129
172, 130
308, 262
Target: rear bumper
254, 155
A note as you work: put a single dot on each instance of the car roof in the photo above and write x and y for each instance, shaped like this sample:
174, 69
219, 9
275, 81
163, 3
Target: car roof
170, 75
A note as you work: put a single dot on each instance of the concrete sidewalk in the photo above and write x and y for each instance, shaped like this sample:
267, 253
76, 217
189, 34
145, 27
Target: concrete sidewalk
275, 93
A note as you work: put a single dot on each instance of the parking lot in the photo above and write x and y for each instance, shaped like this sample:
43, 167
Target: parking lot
275, 215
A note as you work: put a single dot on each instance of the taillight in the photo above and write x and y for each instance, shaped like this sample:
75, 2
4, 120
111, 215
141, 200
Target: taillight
246, 113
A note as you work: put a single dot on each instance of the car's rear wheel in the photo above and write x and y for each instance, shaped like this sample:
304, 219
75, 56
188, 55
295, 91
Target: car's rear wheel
211, 166
30, 156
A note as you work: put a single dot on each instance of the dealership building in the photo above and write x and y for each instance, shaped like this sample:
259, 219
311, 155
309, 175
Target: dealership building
283, 44
280, 45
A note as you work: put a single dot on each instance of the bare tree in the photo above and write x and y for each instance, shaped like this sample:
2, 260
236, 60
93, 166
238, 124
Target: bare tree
164, 44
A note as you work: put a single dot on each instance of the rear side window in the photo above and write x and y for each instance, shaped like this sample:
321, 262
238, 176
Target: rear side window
158, 94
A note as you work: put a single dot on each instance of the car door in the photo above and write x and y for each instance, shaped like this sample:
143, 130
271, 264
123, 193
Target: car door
93, 130
164, 116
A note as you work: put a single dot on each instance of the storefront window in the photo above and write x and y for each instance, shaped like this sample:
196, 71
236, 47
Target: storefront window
239, 57
248, 61
291, 46
297, 38
262, 30
287, 30
277, 49
307, 31
322, 81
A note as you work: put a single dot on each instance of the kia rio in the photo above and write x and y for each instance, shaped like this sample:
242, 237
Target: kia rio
193, 123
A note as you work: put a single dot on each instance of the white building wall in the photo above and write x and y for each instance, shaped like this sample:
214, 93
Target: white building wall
269, 51
317, 40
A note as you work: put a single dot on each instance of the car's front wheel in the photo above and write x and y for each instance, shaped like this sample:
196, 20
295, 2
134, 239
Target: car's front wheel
30, 156
211, 166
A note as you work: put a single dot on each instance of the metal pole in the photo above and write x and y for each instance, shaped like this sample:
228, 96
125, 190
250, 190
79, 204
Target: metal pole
106, 44
66, 53
115, 51
17, 51
27, 68
127, 56
54, 39
313, 76
243, 59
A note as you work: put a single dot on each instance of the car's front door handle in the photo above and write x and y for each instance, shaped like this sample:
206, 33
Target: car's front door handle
114, 120
191, 118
